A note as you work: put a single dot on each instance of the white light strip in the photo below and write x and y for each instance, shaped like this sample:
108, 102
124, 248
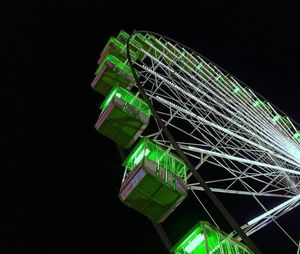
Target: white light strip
239, 159
218, 127
259, 127
264, 215
239, 192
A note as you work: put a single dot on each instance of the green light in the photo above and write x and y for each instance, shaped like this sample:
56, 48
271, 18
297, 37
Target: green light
123, 35
157, 154
297, 136
205, 238
141, 155
236, 90
134, 101
198, 67
258, 103
276, 118
117, 62
108, 98
140, 37
135, 152
122, 47
182, 54
117, 43
128, 98
194, 243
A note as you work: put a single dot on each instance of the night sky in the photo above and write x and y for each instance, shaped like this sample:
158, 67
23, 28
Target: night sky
59, 190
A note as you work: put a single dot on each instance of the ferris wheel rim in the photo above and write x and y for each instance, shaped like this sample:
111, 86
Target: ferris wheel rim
144, 31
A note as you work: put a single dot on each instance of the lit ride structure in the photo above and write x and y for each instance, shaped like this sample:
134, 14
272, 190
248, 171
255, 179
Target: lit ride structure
214, 118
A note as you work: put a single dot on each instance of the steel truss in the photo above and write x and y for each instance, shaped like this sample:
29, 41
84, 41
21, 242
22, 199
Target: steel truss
221, 122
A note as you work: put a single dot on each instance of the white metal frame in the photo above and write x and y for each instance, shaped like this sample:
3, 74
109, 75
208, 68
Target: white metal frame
220, 125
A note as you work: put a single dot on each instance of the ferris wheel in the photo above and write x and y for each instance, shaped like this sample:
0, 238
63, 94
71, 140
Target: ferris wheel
181, 110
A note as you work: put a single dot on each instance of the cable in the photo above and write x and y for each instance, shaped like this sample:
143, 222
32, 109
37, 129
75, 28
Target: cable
195, 173
207, 212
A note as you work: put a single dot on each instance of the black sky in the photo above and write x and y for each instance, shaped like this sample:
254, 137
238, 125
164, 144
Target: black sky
59, 189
